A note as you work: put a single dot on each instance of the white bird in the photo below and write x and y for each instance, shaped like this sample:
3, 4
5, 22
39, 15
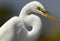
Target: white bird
8, 30
16, 29
32, 20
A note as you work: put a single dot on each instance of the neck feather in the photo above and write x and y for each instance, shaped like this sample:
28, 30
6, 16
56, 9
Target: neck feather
25, 11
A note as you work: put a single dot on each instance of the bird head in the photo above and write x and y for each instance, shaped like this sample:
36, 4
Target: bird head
37, 7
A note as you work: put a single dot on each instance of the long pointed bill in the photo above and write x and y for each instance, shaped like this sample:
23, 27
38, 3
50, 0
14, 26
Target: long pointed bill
50, 17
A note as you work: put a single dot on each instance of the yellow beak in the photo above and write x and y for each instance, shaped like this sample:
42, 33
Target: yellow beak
50, 17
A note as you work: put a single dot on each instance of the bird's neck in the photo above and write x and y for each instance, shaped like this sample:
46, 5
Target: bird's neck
25, 11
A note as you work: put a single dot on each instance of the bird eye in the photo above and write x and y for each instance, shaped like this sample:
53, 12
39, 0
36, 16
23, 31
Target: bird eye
40, 9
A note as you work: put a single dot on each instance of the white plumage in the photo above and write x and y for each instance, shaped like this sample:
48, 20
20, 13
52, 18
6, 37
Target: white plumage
15, 29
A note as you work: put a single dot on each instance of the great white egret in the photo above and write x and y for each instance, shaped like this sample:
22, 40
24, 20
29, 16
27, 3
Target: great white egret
12, 30
8, 30
32, 20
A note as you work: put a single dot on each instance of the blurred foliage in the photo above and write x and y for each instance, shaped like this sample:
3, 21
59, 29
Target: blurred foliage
45, 38
4, 14
52, 34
